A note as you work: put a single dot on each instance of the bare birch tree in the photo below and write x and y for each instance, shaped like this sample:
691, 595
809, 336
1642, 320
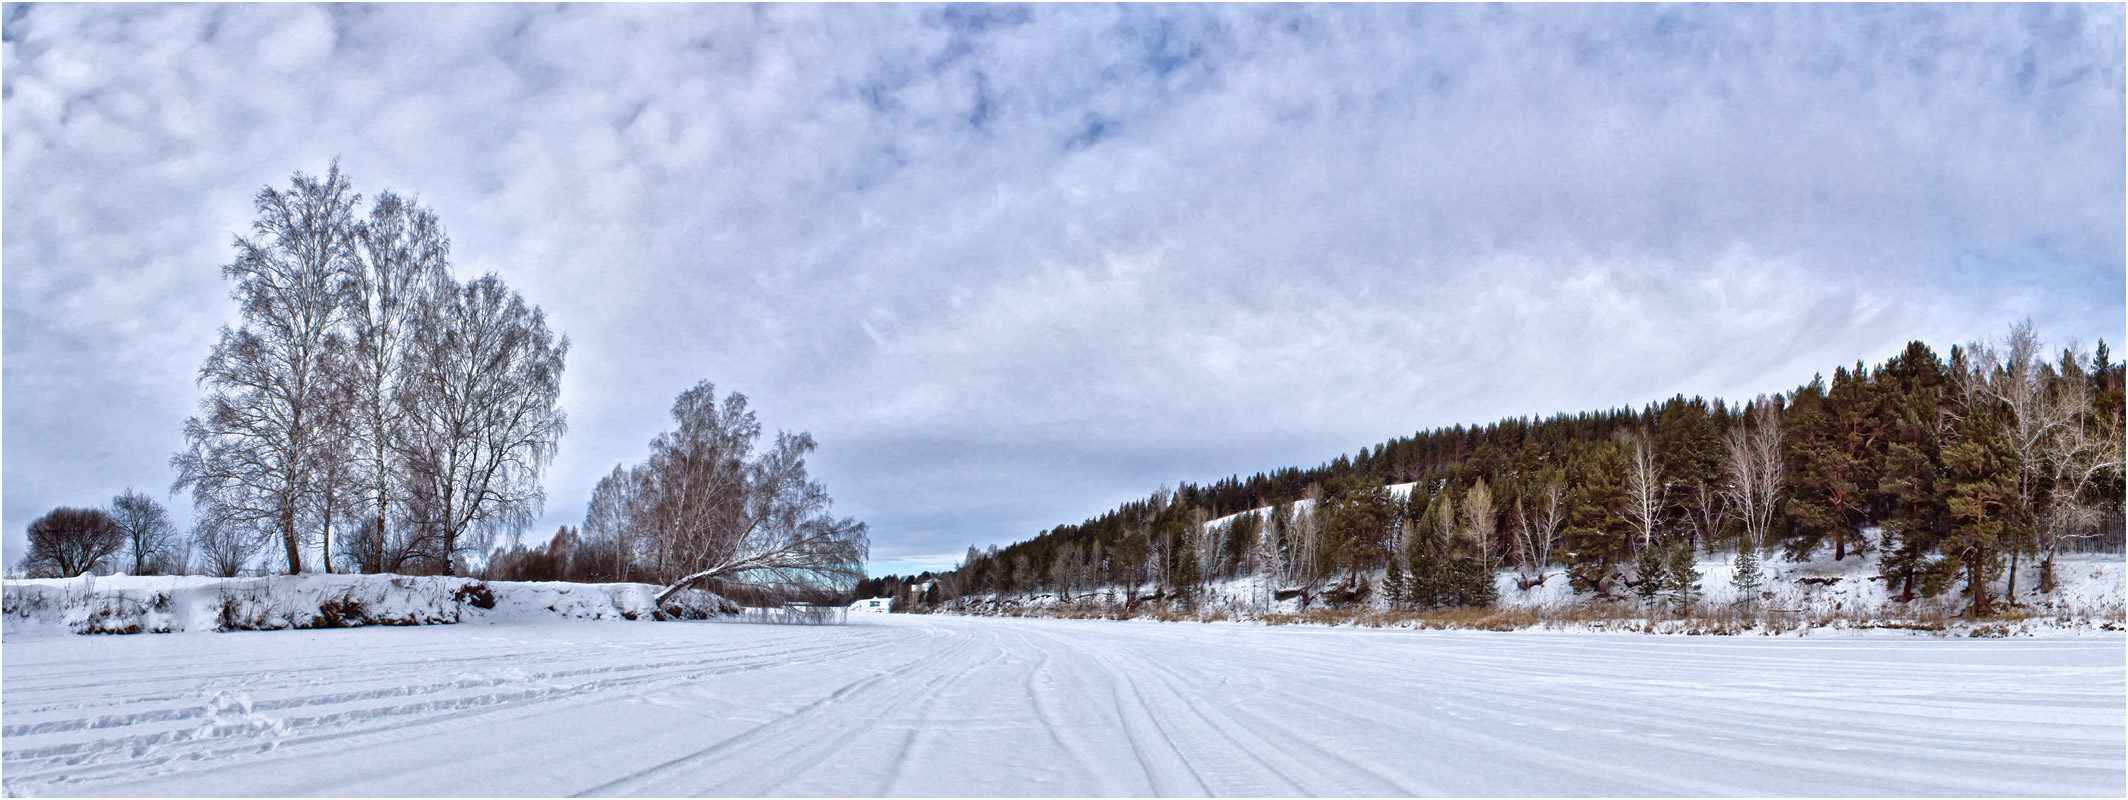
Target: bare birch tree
728, 518
2085, 451
1754, 482
1480, 522
1307, 527
2014, 373
402, 258
1537, 529
1271, 546
483, 419
606, 518
250, 452
1644, 486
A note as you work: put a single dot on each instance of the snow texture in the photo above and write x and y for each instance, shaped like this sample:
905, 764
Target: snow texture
939, 705
169, 604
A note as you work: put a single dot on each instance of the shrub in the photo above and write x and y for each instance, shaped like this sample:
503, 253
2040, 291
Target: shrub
475, 594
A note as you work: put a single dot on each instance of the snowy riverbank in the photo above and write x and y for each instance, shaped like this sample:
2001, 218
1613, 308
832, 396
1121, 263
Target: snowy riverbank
170, 604
1797, 596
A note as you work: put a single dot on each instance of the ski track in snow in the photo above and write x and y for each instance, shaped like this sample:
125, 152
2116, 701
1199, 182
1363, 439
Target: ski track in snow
929, 706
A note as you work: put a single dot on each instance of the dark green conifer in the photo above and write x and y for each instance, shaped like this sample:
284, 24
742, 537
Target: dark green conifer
1981, 502
1649, 577
1682, 570
1598, 537
1912, 386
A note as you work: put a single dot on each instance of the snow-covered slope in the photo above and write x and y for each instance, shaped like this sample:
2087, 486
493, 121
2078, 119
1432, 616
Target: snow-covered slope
166, 604
2092, 590
902, 705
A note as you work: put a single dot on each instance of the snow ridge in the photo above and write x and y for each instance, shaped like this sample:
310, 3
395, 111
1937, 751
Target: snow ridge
170, 604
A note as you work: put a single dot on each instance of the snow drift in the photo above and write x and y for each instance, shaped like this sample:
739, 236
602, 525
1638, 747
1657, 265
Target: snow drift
168, 604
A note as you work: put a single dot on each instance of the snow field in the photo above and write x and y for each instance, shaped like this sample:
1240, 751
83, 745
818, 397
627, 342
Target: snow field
934, 705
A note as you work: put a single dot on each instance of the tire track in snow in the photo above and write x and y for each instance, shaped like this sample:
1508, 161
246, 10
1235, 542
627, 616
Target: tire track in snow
1049, 707
792, 730
254, 731
1041, 698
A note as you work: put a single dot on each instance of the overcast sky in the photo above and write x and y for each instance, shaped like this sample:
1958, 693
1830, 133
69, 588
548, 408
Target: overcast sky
1012, 266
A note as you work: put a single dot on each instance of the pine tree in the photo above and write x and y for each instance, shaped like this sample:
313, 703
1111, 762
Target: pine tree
1682, 571
1688, 445
1598, 535
1747, 578
1827, 461
1474, 586
1649, 577
1912, 386
1982, 502
1430, 583
1395, 587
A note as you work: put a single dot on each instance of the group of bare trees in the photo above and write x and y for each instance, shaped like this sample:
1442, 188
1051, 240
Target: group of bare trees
368, 408
2065, 451
707, 509
134, 534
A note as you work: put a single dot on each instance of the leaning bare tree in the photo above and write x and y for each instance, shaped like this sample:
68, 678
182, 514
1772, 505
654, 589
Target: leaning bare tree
482, 415
249, 454
722, 516
1536, 529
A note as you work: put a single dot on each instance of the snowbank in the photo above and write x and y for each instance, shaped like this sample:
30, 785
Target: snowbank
168, 604
1815, 592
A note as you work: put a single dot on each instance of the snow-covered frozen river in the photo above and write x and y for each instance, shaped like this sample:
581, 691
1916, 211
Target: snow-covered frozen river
951, 706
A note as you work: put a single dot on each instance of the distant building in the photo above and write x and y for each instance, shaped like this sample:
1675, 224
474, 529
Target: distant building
875, 604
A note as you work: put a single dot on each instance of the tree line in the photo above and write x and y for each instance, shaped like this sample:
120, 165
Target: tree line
1971, 465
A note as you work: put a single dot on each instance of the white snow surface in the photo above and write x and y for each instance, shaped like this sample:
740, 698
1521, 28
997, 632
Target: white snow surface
942, 705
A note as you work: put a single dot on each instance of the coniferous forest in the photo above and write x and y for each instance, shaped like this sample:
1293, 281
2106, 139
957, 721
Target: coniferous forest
1964, 470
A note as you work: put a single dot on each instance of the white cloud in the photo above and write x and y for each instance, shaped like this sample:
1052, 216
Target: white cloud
1013, 265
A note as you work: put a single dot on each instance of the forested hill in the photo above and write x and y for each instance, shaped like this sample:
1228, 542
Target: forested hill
1995, 450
